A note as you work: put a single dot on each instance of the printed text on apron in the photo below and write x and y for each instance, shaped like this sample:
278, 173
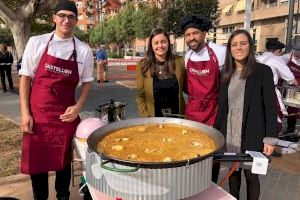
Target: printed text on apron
52, 92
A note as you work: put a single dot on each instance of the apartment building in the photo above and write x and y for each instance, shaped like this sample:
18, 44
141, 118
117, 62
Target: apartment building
111, 7
268, 20
88, 13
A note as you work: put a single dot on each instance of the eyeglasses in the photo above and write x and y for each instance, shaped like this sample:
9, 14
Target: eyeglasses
241, 44
64, 16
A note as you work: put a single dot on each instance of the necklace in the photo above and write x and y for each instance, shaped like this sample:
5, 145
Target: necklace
160, 69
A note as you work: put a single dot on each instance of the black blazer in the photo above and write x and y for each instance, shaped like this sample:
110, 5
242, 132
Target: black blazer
259, 113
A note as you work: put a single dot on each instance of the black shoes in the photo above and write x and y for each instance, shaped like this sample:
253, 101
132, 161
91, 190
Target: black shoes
276, 154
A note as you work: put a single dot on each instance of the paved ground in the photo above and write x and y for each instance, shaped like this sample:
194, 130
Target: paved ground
281, 183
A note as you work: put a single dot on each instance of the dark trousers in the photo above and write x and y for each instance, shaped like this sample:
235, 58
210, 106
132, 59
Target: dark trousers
292, 120
6, 70
62, 183
215, 172
253, 185
252, 180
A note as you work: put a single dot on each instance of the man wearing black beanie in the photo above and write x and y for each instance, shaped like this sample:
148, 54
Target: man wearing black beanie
280, 72
203, 62
53, 65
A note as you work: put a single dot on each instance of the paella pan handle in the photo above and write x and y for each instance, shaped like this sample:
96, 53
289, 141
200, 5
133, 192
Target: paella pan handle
115, 169
174, 115
234, 157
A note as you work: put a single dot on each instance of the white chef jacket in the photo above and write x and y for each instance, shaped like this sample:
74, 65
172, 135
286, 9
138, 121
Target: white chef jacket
286, 58
278, 67
203, 55
280, 70
60, 48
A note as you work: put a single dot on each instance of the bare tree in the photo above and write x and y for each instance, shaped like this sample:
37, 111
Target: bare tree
18, 14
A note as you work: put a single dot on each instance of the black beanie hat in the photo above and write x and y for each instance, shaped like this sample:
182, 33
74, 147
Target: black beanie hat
66, 5
196, 21
274, 44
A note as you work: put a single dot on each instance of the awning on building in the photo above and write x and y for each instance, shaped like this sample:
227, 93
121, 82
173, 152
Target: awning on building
227, 9
240, 6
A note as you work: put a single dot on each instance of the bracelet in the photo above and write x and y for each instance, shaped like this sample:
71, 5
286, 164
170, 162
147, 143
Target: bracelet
270, 140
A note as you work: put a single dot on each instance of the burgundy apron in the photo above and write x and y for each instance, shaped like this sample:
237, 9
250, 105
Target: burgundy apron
203, 88
52, 92
296, 71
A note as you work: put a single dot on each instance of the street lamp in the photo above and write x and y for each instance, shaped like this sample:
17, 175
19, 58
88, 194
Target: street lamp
100, 9
101, 18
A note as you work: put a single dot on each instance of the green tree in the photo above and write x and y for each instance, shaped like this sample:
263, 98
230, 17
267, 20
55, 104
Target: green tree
95, 35
125, 25
6, 36
144, 20
176, 9
81, 35
18, 15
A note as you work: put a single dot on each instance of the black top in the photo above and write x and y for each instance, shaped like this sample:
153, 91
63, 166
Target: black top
259, 113
6, 57
166, 91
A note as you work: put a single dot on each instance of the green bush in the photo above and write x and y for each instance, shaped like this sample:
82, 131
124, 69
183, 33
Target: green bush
114, 54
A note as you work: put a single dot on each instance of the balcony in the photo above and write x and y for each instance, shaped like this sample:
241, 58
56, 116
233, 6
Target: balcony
264, 11
90, 10
90, 21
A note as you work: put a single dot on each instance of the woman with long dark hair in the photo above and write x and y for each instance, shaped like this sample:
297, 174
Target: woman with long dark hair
160, 79
247, 108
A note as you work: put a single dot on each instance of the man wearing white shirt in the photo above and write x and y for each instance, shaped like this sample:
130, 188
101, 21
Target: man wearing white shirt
280, 71
53, 65
203, 62
293, 62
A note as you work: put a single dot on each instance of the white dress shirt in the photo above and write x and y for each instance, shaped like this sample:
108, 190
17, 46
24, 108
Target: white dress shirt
286, 58
280, 70
203, 55
278, 67
60, 48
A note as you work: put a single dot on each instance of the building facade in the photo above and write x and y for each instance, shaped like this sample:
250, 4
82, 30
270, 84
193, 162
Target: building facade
88, 14
269, 19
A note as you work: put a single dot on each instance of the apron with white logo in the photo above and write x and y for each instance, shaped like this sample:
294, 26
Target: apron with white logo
203, 88
52, 92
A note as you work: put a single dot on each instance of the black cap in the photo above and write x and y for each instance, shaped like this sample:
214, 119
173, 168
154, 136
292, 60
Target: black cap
274, 44
66, 5
196, 21
296, 43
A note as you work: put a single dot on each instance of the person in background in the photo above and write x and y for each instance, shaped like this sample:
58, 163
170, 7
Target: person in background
160, 79
293, 61
19, 63
280, 71
53, 65
203, 62
247, 108
101, 60
6, 61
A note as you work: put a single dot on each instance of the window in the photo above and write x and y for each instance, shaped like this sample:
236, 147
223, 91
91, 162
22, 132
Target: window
80, 16
284, 1
228, 30
271, 3
79, 4
267, 39
227, 10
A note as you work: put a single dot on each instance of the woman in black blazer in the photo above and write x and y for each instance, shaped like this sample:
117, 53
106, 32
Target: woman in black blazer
247, 108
